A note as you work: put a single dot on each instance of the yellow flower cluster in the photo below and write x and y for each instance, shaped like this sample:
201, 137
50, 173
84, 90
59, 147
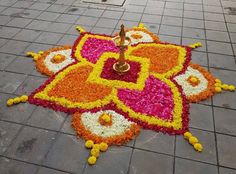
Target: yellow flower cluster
141, 25
219, 86
57, 57
92, 160
197, 44
106, 118
193, 79
35, 55
95, 150
193, 141
89, 144
16, 100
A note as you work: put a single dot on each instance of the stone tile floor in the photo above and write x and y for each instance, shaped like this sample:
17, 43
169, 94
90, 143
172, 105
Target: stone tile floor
40, 141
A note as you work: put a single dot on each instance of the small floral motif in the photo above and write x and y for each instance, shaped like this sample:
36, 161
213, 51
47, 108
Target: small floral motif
141, 35
54, 60
88, 125
197, 83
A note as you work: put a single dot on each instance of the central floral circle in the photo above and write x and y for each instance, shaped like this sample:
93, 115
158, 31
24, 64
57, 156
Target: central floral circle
58, 58
193, 80
105, 119
104, 74
130, 76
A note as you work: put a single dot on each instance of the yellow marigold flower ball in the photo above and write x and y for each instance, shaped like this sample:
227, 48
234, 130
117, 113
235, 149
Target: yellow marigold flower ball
24, 98
193, 79
218, 89
92, 160
40, 52
95, 152
193, 140
199, 44
57, 57
192, 46
198, 147
141, 25
96, 146
103, 147
10, 102
218, 81
217, 85
106, 118
89, 144
30, 53
187, 135
36, 57
231, 87
225, 86
16, 100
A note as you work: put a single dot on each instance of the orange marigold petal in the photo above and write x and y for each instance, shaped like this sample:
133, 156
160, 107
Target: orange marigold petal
157, 55
75, 88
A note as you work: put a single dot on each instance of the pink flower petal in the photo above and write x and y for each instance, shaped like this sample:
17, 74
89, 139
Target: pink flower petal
156, 99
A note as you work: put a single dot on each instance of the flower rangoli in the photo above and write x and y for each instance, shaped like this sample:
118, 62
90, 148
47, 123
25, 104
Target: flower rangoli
110, 108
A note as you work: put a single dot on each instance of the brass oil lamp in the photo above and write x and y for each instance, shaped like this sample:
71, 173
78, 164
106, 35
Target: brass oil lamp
121, 41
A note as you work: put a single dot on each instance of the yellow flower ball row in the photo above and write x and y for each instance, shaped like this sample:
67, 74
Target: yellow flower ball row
95, 150
193, 141
35, 55
16, 100
219, 86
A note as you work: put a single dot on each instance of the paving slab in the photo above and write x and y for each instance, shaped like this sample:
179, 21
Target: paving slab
226, 150
67, 154
47, 118
225, 120
9, 166
8, 132
155, 162
157, 142
31, 145
193, 167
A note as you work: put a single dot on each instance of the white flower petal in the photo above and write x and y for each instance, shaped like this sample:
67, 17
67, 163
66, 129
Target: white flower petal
118, 127
188, 88
57, 67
